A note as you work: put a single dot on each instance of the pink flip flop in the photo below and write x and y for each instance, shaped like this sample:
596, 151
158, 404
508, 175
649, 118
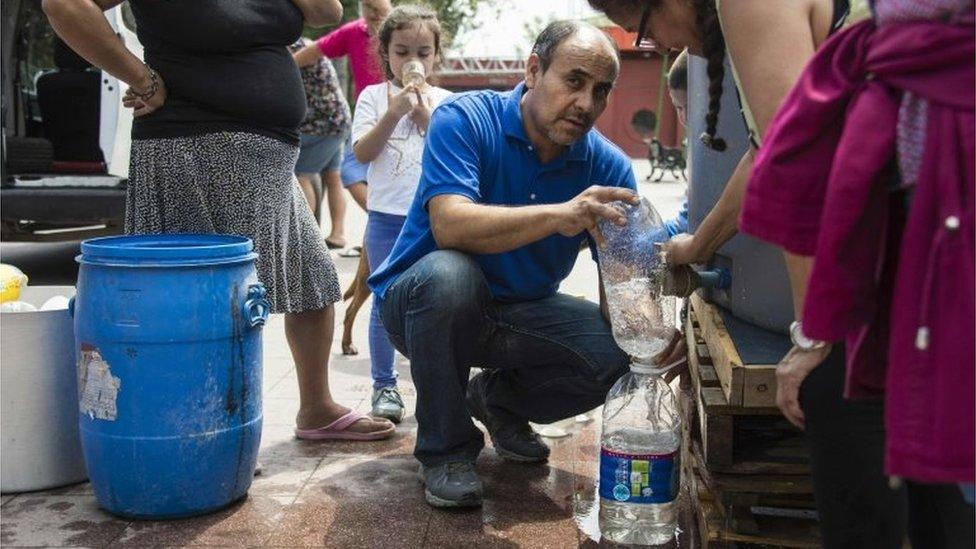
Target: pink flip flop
337, 430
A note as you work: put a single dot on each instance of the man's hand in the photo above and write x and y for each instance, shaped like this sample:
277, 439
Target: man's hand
675, 353
790, 373
682, 250
582, 212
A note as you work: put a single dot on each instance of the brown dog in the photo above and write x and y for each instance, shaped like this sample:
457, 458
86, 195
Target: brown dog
358, 291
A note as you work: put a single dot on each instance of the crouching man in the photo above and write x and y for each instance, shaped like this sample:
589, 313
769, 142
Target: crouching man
513, 185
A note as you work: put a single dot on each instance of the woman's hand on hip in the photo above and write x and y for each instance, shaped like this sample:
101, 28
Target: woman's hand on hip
790, 373
140, 100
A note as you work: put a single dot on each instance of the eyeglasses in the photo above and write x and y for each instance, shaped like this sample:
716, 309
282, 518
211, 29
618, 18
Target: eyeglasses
641, 42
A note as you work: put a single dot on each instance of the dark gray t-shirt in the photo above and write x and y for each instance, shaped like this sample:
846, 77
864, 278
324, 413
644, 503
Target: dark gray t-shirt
226, 66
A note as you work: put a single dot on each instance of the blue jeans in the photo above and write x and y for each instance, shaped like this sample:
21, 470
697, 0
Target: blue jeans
381, 232
543, 360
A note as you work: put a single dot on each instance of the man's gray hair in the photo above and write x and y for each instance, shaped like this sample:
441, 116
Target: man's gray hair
558, 31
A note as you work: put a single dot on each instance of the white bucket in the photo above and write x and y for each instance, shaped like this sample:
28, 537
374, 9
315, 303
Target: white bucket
39, 396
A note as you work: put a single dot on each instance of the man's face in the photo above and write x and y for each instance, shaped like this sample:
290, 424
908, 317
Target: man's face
374, 12
572, 93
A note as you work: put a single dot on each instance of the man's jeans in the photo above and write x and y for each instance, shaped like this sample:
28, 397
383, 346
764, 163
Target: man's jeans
544, 360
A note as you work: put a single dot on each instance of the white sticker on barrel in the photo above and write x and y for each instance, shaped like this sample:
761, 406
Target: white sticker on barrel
99, 388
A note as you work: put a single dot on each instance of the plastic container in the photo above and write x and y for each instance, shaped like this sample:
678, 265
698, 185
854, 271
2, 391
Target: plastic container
38, 397
634, 275
760, 288
168, 337
640, 466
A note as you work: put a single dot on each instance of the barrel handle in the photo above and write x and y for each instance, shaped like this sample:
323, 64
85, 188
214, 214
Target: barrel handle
71, 307
256, 307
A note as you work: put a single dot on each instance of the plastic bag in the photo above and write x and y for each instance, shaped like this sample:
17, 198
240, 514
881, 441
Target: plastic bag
12, 280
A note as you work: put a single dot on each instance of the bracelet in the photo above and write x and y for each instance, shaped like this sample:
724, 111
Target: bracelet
153, 86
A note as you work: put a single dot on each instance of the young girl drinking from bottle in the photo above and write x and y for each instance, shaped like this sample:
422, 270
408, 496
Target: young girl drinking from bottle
388, 133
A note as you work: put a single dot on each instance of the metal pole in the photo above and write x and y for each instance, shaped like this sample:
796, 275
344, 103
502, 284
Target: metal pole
661, 90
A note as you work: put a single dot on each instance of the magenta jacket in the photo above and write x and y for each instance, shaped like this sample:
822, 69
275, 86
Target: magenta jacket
895, 281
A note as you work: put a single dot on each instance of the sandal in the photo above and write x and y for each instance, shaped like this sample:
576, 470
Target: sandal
355, 251
338, 430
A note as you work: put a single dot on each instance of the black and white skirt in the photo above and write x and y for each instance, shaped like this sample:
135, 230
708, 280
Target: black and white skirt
242, 184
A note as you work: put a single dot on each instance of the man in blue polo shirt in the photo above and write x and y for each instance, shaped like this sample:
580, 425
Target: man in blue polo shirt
512, 187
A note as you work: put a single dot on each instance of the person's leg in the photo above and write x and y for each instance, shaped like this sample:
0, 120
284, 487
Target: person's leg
337, 207
939, 517
435, 314
307, 182
857, 507
331, 184
381, 233
358, 191
550, 359
353, 175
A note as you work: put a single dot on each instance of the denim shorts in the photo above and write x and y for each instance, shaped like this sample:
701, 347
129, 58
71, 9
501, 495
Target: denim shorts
353, 171
319, 153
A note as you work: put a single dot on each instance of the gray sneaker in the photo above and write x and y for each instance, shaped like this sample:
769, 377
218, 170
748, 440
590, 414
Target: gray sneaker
388, 404
513, 438
454, 484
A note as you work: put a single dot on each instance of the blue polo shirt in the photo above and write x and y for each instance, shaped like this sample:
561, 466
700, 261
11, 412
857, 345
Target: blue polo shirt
477, 147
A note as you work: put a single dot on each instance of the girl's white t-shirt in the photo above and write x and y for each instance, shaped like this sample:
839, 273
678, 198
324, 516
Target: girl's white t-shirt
392, 176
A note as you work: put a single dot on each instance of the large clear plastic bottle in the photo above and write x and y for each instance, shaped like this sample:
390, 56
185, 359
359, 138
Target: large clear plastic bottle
640, 447
640, 460
634, 274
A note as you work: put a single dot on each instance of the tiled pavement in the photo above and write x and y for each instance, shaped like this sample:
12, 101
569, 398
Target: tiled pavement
352, 494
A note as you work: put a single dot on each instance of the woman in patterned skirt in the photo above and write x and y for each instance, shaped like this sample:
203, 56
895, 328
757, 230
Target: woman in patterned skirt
217, 105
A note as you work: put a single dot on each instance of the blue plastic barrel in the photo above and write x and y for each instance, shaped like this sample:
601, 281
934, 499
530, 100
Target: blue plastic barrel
168, 340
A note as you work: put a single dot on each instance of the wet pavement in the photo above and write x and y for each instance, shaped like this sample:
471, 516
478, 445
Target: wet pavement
349, 494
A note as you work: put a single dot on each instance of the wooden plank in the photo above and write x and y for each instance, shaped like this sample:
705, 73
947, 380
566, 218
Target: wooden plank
715, 528
759, 386
708, 376
722, 483
702, 349
725, 357
715, 404
716, 437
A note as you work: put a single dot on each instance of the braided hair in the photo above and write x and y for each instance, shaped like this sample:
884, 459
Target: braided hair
713, 46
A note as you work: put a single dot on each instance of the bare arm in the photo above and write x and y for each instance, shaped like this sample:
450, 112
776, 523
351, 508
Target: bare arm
753, 29
82, 25
371, 144
720, 225
319, 13
460, 224
309, 55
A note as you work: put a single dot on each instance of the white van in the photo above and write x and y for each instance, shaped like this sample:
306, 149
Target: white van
65, 137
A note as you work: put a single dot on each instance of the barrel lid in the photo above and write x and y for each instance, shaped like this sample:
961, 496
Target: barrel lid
167, 249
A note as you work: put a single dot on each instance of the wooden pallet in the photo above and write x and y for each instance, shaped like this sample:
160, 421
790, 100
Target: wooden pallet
736, 439
744, 385
746, 468
741, 523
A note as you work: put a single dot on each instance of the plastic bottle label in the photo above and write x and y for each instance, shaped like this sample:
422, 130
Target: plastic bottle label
639, 478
